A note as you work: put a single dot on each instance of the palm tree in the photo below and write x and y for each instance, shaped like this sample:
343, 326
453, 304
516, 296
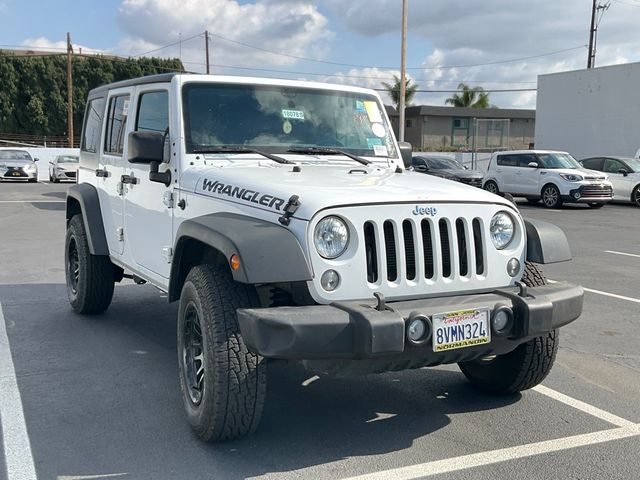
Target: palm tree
394, 91
470, 97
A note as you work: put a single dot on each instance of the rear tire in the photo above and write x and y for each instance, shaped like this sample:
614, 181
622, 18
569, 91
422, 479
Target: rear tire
491, 187
551, 196
90, 280
635, 196
32, 180
526, 366
223, 384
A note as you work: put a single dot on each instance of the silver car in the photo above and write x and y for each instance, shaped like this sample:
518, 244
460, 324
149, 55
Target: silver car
624, 174
63, 167
17, 164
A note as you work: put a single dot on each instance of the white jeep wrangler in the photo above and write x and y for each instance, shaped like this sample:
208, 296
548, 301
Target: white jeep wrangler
281, 217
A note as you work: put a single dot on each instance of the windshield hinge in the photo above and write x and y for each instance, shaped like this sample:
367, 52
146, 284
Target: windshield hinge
289, 209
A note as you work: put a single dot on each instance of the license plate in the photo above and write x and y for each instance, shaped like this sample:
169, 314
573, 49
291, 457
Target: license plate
464, 328
16, 174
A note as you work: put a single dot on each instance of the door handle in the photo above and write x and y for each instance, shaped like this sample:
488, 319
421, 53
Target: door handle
129, 179
102, 172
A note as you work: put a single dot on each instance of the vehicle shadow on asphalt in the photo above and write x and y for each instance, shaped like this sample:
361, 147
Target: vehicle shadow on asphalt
107, 391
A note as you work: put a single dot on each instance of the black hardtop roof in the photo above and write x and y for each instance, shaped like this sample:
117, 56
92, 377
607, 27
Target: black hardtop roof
160, 78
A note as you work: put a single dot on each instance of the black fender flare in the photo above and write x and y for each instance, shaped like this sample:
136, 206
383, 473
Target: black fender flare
269, 253
88, 202
546, 242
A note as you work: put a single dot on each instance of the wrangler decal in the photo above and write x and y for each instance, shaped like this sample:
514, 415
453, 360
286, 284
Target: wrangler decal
242, 194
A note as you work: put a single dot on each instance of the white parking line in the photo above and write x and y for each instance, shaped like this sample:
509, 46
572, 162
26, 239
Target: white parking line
584, 407
465, 462
622, 253
33, 201
17, 448
606, 294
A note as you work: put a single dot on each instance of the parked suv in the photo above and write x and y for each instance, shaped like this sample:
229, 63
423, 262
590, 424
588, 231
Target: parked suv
279, 215
554, 177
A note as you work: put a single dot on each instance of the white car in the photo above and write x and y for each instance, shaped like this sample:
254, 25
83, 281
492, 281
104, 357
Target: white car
551, 176
63, 167
624, 174
17, 164
280, 215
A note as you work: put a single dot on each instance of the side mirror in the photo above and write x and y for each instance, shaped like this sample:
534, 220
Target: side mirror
533, 165
623, 172
420, 168
405, 153
145, 147
36, 159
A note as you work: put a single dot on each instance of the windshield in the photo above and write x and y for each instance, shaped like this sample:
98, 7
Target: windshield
67, 159
558, 160
275, 119
14, 155
634, 164
442, 163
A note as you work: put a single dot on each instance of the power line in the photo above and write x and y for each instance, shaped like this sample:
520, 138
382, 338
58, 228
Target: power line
498, 90
182, 40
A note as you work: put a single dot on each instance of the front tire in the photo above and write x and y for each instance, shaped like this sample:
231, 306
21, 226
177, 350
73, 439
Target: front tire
223, 384
551, 196
523, 368
90, 279
635, 196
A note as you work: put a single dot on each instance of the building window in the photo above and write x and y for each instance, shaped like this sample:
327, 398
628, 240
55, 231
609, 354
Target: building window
409, 123
460, 132
495, 133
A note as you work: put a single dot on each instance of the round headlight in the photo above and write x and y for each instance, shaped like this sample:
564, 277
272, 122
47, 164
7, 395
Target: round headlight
501, 230
331, 237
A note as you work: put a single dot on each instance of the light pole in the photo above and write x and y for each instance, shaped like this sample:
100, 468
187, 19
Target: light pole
403, 71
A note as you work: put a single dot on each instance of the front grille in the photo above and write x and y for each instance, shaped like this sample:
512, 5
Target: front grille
70, 174
15, 172
474, 182
596, 191
412, 249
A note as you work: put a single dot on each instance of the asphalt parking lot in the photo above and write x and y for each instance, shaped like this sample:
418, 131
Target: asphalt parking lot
99, 397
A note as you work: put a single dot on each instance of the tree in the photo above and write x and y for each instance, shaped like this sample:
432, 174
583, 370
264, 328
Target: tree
470, 97
394, 91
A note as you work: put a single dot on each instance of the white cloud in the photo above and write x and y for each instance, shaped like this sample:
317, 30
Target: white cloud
295, 28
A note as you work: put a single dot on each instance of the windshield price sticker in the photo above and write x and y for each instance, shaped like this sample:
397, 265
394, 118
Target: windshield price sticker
373, 112
464, 328
380, 151
293, 114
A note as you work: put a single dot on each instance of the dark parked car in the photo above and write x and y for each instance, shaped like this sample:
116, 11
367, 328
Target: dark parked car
446, 167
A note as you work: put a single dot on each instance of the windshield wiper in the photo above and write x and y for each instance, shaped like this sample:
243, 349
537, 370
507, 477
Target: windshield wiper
328, 151
232, 149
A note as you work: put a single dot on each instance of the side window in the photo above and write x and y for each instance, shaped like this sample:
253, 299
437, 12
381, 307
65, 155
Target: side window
612, 166
116, 123
507, 160
525, 159
92, 126
593, 164
153, 112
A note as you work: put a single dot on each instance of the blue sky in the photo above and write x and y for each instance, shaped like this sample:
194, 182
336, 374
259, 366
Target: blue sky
365, 34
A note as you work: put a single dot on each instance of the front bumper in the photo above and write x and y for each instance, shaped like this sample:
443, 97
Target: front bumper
590, 193
64, 175
18, 174
357, 330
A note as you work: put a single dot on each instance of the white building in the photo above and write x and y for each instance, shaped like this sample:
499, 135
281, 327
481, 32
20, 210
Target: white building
590, 112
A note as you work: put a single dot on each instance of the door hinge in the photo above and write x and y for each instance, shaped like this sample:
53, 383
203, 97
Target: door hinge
120, 234
168, 199
167, 253
119, 189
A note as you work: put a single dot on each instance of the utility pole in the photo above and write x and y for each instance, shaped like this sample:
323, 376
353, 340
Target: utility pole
403, 71
596, 9
69, 92
206, 48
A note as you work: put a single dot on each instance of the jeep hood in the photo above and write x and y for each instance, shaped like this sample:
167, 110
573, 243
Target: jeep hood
269, 187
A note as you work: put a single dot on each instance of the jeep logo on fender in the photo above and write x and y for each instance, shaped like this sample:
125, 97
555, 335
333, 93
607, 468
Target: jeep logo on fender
242, 194
430, 211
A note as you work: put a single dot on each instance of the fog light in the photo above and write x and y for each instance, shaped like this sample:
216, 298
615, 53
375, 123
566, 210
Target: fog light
330, 280
513, 267
418, 329
502, 320
576, 195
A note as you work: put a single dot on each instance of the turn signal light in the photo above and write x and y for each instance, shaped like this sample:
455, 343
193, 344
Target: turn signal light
234, 261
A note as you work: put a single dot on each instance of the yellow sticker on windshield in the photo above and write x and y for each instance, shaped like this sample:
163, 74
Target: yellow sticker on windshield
373, 112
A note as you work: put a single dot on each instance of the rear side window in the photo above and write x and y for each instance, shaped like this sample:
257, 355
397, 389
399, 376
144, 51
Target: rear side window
92, 126
525, 159
116, 123
593, 163
507, 160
